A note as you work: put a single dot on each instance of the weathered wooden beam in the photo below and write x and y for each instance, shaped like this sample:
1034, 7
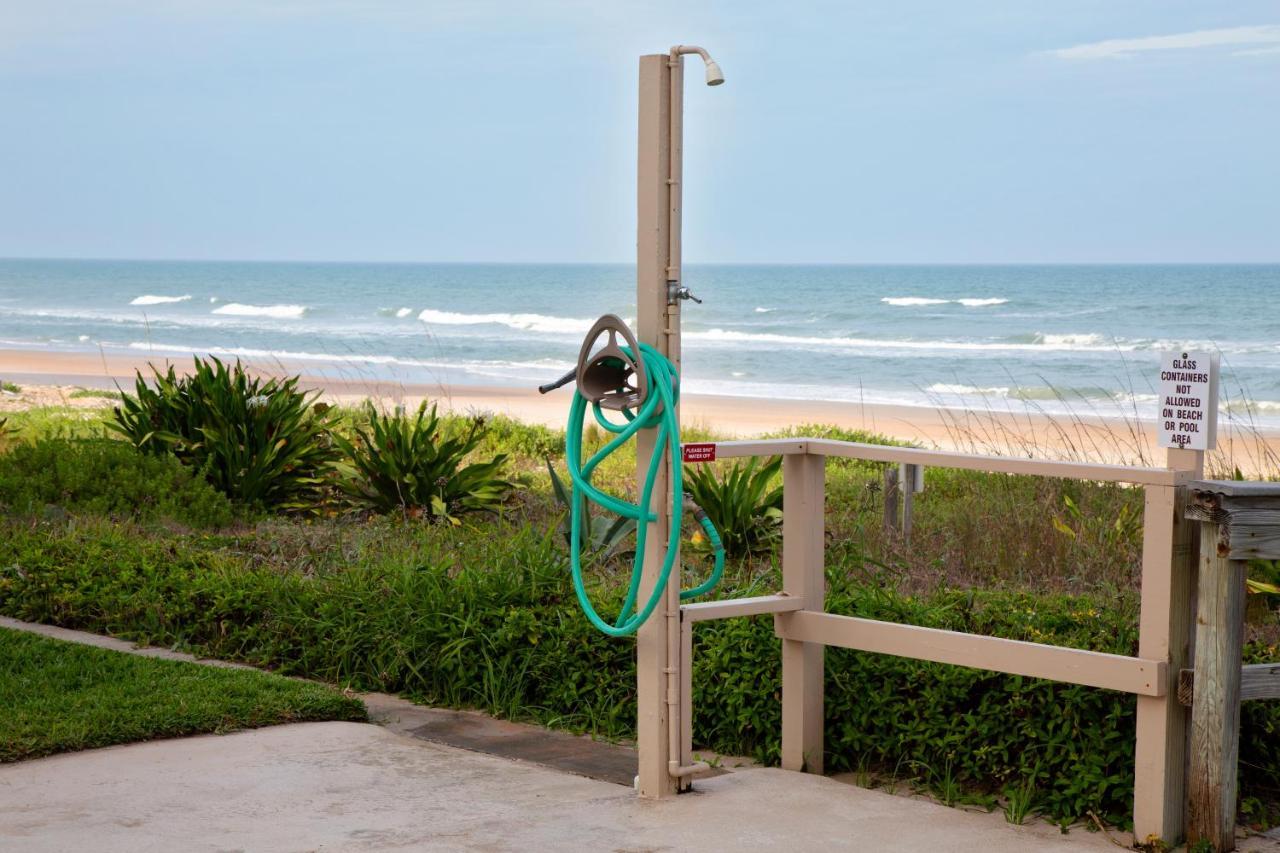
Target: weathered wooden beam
892, 498
1257, 681
911, 481
1215, 704
1247, 516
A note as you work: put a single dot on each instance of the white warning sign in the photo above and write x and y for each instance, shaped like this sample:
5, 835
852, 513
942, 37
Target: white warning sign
1188, 400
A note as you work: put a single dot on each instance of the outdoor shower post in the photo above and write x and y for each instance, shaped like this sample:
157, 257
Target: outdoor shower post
655, 660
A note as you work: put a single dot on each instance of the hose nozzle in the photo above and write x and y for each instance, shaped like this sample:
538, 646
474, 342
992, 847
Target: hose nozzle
559, 383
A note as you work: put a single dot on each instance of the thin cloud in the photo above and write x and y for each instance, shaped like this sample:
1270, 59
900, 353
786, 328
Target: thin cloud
1267, 35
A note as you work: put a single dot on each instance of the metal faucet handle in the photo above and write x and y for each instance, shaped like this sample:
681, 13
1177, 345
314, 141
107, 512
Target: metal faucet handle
682, 292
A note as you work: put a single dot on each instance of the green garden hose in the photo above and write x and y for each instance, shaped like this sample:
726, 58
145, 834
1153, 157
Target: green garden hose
658, 411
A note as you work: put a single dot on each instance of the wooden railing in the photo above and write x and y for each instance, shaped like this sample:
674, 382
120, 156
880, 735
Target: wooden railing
805, 628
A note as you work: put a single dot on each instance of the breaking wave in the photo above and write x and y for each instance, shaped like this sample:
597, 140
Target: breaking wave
279, 312
149, 299
967, 302
526, 322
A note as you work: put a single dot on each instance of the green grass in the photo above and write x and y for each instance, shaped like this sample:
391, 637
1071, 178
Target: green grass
10, 387
64, 696
94, 393
59, 422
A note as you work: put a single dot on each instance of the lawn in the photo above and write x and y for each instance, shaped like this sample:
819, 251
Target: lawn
63, 696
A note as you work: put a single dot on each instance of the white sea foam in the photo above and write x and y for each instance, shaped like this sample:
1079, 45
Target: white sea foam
526, 322
908, 301
278, 312
968, 301
760, 310
539, 365
404, 312
811, 342
149, 299
957, 388
83, 338
1086, 340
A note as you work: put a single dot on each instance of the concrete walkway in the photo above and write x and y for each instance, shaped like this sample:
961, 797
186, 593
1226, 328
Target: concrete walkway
350, 786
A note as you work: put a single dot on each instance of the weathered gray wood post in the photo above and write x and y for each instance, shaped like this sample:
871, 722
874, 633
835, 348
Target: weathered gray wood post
892, 495
911, 481
1239, 522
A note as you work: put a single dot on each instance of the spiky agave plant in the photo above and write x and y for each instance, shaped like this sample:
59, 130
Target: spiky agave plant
258, 440
744, 503
411, 464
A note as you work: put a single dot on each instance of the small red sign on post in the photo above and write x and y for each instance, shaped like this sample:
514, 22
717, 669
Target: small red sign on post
704, 452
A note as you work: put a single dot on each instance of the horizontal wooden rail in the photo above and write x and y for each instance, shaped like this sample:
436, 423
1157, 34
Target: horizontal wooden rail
997, 464
1257, 681
952, 459
707, 610
762, 447
1016, 657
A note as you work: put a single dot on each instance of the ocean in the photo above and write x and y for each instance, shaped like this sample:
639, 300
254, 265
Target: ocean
1081, 339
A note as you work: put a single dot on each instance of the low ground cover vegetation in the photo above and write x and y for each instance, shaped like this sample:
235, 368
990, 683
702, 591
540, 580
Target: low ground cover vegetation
63, 696
481, 612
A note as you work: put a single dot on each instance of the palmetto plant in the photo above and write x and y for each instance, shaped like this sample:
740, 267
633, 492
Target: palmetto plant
259, 441
744, 503
412, 464
597, 533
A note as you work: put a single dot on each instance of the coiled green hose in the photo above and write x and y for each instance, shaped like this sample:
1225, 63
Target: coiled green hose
657, 412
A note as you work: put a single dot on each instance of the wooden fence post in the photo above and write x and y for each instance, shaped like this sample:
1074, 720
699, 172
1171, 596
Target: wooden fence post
1168, 579
911, 483
803, 541
1239, 522
892, 495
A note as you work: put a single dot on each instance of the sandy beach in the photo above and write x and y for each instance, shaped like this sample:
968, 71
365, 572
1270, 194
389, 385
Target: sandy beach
48, 378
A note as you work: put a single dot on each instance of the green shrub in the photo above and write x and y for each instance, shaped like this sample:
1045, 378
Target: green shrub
11, 387
484, 615
533, 442
259, 441
745, 503
107, 477
411, 464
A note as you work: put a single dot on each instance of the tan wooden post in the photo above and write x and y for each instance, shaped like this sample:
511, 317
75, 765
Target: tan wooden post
653, 648
803, 540
1168, 578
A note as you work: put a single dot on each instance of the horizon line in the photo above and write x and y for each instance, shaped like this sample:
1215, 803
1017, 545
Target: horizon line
823, 263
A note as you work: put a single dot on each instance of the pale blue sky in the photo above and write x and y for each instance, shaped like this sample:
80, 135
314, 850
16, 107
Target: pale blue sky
504, 131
